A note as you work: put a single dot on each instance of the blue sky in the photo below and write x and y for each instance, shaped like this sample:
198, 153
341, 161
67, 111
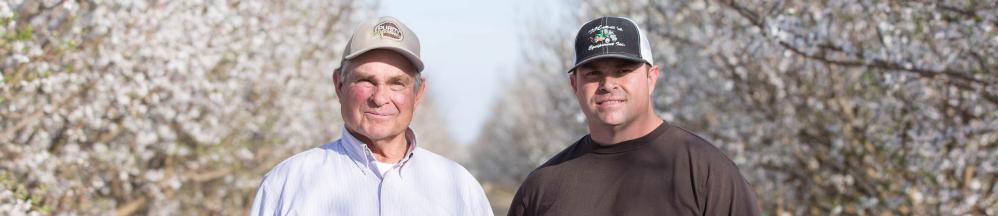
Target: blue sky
469, 48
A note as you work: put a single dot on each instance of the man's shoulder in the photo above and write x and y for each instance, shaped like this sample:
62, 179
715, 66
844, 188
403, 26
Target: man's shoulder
428, 158
552, 168
433, 159
546, 175
570, 152
305, 161
443, 170
697, 148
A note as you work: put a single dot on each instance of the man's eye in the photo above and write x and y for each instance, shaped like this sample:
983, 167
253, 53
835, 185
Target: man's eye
397, 86
623, 71
364, 83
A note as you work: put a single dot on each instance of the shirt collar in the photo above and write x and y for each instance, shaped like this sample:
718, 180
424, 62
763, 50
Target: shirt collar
362, 155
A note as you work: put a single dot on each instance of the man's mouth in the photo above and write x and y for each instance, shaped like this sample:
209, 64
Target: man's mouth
609, 102
377, 114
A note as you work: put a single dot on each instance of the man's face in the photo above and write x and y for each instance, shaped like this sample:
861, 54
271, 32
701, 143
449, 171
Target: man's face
614, 92
378, 95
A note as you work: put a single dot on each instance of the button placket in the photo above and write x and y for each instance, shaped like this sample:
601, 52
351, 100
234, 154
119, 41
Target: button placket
387, 192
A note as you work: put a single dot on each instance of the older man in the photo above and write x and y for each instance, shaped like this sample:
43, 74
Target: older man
632, 162
376, 167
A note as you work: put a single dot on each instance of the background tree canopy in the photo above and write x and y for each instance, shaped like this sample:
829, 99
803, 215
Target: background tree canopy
828, 107
165, 107
179, 107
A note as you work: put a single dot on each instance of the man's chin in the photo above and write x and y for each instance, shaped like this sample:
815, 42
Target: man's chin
610, 119
378, 133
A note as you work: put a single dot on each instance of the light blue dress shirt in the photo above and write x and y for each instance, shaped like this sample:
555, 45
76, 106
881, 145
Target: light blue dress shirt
340, 178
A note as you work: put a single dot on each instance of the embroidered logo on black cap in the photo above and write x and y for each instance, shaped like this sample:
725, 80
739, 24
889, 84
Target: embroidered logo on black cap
388, 30
604, 35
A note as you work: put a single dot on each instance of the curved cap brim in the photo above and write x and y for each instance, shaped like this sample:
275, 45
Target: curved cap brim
413, 58
610, 55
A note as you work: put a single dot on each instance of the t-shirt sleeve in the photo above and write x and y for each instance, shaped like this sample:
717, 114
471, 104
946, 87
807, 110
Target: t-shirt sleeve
728, 193
524, 200
518, 207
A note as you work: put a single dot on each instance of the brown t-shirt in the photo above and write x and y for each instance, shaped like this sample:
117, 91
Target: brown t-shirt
669, 171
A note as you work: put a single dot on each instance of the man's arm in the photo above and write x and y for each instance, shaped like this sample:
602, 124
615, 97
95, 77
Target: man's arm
524, 202
728, 193
517, 207
476, 201
265, 203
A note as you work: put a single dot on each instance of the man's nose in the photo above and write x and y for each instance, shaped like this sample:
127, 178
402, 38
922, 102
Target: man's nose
607, 84
380, 96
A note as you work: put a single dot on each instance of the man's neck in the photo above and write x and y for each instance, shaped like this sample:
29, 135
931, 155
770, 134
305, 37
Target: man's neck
389, 150
613, 134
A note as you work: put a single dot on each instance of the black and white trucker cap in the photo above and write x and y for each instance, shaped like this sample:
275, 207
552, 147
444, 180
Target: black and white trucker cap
610, 37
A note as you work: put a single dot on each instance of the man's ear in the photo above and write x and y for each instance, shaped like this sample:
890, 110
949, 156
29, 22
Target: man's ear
653, 73
572, 81
421, 89
336, 81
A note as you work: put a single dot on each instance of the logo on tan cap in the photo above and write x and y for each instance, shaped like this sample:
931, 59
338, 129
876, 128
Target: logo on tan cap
388, 30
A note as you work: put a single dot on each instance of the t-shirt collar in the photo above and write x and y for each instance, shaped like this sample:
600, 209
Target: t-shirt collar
628, 145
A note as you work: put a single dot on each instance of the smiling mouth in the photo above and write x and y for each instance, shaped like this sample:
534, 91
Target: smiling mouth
378, 115
610, 102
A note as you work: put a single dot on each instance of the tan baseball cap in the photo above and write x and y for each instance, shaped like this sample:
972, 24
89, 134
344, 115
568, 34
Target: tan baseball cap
384, 33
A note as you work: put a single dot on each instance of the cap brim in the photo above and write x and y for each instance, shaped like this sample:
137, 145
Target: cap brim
413, 58
604, 56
